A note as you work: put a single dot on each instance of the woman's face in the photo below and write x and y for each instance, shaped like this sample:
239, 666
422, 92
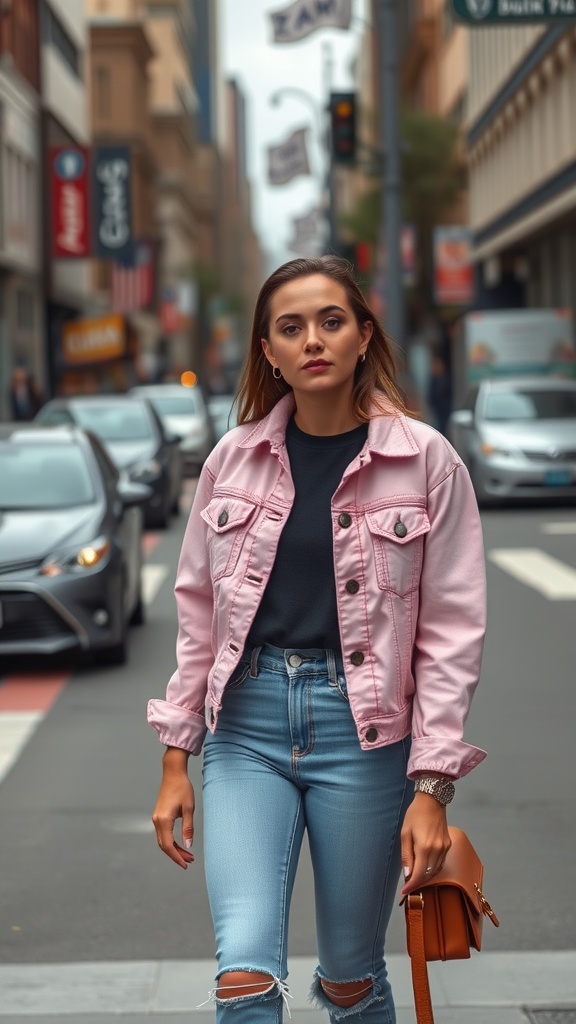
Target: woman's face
314, 338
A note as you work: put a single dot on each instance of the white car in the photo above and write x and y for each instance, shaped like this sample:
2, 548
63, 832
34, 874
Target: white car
184, 413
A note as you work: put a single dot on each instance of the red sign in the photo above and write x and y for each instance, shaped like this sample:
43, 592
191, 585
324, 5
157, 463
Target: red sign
70, 202
453, 267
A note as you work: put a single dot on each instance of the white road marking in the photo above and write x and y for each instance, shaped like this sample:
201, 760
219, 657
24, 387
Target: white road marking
16, 728
559, 528
549, 576
153, 577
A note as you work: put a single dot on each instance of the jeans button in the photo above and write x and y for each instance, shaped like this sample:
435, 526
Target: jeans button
295, 661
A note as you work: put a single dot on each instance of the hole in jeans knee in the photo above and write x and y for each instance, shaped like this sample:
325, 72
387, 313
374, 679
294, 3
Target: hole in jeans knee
235, 984
346, 993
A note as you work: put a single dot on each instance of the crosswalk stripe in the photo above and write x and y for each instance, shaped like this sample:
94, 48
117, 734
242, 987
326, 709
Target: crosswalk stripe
549, 576
153, 577
16, 728
559, 529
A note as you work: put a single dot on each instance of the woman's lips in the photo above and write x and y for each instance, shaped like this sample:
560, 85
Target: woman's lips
316, 366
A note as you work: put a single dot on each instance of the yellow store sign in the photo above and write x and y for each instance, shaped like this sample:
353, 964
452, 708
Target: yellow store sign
94, 340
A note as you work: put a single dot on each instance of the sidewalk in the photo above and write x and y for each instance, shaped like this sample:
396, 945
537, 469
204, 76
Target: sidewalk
491, 988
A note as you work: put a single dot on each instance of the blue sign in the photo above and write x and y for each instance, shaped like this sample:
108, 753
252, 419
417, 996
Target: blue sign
69, 164
112, 203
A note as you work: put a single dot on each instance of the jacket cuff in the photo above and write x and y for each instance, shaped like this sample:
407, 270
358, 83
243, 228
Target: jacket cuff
449, 757
177, 726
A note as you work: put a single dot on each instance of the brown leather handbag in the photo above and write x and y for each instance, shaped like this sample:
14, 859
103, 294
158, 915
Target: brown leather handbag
444, 917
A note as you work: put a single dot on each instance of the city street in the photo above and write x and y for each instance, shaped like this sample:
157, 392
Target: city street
89, 905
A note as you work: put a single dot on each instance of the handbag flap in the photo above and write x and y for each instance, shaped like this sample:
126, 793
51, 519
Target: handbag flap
463, 870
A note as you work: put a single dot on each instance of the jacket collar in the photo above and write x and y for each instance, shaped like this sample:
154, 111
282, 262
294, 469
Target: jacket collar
388, 433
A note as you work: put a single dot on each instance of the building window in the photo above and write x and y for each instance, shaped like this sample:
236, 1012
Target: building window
56, 35
25, 309
102, 90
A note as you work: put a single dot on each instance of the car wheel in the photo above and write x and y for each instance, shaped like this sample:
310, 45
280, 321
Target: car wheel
138, 616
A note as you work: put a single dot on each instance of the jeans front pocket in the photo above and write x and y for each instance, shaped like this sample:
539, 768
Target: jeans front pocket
239, 676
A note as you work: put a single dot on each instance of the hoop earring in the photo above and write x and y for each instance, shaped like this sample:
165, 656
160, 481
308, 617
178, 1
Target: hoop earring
276, 373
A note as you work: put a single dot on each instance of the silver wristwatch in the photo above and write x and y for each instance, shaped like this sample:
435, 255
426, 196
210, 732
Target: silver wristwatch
441, 789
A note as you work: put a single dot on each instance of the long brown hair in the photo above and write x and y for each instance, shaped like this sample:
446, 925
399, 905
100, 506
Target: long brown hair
259, 391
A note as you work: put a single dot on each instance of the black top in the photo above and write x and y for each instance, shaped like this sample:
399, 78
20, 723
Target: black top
298, 607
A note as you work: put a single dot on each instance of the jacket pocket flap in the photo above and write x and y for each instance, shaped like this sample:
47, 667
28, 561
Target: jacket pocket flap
224, 514
401, 523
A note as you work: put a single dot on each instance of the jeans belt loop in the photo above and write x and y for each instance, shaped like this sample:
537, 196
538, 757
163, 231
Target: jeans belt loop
254, 662
331, 667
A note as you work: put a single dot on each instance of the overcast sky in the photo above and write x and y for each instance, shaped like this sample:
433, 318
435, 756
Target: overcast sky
263, 67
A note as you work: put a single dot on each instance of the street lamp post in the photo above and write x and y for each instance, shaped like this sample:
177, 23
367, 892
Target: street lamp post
391, 219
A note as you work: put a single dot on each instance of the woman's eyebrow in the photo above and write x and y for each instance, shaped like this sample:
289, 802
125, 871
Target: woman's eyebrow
321, 312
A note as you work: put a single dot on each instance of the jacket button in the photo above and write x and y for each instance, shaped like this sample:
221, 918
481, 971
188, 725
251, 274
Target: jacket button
352, 586
371, 735
400, 530
345, 520
357, 657
223, 518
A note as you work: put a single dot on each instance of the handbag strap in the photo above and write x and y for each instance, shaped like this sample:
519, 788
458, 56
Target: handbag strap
420, 983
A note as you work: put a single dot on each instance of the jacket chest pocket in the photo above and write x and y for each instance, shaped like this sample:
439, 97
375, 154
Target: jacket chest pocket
398, 541
228, 520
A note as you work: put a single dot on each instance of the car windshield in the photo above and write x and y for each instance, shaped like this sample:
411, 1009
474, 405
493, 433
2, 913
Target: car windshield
43, 476
531, 404
175, 405
126, 422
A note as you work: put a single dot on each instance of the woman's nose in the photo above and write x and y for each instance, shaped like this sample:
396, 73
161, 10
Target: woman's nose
313, 340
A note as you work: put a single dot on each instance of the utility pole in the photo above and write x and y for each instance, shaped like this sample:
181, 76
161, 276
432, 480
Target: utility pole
391, 214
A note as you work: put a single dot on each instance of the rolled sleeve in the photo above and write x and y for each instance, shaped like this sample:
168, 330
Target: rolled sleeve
450, 629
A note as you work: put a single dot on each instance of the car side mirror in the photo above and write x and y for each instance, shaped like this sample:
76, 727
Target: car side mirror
131, 494
462, 418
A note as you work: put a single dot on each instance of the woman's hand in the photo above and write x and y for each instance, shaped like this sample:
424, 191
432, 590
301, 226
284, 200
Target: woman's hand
175, 800
425, 840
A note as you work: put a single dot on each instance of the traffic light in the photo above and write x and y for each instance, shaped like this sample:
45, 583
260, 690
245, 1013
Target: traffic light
343, 126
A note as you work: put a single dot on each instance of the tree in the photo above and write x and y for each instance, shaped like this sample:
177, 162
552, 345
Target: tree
433, 180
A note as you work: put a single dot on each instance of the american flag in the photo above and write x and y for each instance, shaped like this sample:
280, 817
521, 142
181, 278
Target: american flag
132, 285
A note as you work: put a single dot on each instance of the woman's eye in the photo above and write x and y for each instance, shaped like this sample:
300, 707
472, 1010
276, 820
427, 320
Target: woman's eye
290, 329
332, 323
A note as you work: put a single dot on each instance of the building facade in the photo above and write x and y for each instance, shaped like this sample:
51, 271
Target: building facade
521, 138
21, 320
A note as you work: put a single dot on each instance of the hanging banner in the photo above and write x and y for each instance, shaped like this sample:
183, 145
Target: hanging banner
453, 267
305, 16
70, 206
112, 203
288, 160
308, 235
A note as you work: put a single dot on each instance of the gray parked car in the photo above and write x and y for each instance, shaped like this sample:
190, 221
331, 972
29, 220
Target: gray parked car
183, 412
70, 545
136, 441
518, 438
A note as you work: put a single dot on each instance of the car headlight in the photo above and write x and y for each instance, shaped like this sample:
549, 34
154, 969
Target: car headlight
144, 472
76, 560
490, 449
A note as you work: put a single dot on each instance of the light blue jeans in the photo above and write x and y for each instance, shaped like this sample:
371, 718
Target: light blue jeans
286, 757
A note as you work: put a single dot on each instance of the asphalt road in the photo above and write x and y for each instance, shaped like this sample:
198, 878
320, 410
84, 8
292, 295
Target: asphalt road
81, 877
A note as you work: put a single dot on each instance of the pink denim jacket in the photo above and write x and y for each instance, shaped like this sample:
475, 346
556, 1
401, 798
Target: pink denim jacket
405, 526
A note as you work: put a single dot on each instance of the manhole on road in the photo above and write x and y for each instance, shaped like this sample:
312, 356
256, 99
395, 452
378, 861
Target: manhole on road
555, 1015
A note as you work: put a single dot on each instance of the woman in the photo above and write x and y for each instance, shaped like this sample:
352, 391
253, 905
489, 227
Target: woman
331, 617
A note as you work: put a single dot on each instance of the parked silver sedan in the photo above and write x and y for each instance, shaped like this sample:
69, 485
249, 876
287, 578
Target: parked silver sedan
518, 438
70, 545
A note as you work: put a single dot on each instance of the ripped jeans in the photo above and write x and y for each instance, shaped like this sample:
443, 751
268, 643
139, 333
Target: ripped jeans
286, 757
